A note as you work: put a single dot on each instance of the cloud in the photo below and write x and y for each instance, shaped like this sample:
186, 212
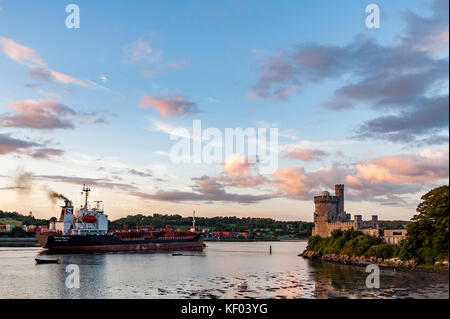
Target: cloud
430, 115
173, 105
294, 182
428, 34
140, 50
237, 173
46, 75
423, 167
46, 153
237, 165
383, 179
307, 155
38, 68
145, 173
180, 64
98, 182
40, 114
407, 79
204, 190
293, 69
9, 144
20, 53
44, 115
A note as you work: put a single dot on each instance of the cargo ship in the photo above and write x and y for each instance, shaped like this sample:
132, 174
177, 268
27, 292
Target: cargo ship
87, 231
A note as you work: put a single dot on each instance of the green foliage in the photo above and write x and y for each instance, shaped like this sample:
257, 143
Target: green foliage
246, 224
25, 220
351, 242
383, 250
428, 234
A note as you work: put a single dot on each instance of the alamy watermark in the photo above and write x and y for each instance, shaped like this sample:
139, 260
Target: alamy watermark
373, 17
255, 145
73, 279
373, 279
73, 19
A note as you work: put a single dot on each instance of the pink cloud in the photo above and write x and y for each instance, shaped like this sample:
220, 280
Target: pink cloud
46, 114
173, 105
180, 64
10, 144
44, 74
290, 180
20, 53
38, 114
306, 155
381, 179
46, 153
39, 70
423, 167
241, 173
237, 165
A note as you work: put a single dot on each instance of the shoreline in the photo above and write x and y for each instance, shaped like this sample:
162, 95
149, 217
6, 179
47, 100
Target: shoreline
18, 242
238, 240
257, 240
361, 261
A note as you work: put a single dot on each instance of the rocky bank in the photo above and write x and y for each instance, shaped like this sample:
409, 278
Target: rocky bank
395, 263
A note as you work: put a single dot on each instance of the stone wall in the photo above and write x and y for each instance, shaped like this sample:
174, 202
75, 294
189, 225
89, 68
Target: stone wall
325, 229
394, 236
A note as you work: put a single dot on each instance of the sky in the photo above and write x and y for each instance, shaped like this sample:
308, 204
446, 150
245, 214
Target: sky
98, 104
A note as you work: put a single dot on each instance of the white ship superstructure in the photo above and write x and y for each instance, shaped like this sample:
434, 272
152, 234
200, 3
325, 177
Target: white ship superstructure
85, 221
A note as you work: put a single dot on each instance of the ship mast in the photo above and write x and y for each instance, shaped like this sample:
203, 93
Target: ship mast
193, 221
86, 191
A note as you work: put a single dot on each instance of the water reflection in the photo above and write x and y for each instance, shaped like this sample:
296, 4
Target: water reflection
216, 272
344, 281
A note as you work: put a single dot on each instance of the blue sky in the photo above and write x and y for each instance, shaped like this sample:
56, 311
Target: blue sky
214, 55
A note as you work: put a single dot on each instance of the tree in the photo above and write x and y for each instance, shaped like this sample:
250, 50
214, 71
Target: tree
428, 234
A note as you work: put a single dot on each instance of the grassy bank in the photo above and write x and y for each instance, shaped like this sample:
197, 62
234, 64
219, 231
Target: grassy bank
352, 243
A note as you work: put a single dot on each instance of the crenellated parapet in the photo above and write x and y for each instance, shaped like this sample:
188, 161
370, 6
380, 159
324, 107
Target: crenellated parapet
330, 215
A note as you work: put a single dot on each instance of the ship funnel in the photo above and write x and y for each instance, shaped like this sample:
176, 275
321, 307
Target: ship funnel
68, 203
67, 209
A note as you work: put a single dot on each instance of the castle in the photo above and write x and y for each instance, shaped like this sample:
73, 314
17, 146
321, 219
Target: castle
330, 215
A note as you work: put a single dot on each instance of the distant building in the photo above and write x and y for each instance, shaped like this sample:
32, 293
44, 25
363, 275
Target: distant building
393, 236
330, 215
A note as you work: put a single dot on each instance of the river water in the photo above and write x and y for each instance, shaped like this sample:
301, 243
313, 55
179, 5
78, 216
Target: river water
217, 272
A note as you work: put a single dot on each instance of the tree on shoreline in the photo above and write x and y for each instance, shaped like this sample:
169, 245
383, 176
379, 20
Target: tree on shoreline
428, 234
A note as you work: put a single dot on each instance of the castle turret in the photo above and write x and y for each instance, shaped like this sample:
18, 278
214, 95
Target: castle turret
339, 191
325, 212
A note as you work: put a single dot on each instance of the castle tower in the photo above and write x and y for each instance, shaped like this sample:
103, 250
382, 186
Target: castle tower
325, 212
339, 191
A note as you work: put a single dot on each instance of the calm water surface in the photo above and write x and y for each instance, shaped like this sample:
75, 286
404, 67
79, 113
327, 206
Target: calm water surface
213, 273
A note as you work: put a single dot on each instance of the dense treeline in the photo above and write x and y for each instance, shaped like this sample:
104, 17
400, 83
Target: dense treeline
427, 240
246, 224
428, 234
352, 243
25, 220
